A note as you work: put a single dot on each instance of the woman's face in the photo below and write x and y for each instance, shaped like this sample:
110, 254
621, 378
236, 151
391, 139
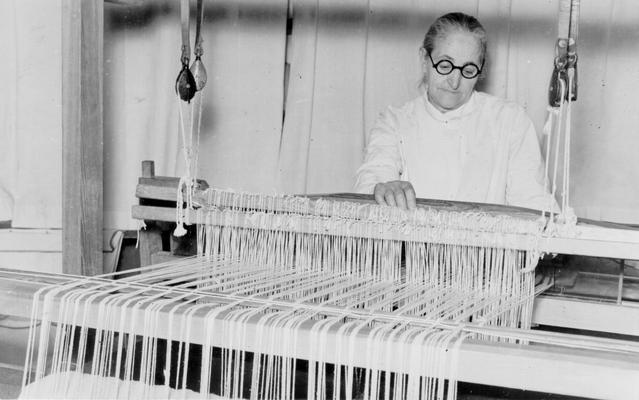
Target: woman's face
448, 92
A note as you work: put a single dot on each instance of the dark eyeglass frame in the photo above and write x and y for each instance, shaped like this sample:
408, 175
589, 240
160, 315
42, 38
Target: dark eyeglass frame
454, 67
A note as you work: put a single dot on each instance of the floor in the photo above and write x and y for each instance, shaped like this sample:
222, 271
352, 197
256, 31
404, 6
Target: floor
13, 345
10, 383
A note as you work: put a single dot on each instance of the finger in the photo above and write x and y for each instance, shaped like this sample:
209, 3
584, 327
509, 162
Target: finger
400, 199
379, 194
389, 195
411, 197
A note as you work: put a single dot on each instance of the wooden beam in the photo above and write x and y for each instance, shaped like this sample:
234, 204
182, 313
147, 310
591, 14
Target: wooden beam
82, 53
30, 240
592, 315
587, 240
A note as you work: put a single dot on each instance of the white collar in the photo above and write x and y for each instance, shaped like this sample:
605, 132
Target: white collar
453, 115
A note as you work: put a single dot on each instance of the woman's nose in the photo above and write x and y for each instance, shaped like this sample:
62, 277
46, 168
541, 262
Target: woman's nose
454, 79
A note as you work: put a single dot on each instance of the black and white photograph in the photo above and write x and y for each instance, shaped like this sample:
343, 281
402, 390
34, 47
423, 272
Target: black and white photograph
319, 199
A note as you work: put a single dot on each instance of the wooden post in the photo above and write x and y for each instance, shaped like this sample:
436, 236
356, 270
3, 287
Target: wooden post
82, 158
148, 169
150, 238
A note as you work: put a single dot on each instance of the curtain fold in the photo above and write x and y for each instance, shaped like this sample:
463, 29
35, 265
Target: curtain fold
321, 136
245, 43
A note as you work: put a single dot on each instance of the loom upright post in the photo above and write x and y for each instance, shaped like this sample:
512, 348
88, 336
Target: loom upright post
82, 157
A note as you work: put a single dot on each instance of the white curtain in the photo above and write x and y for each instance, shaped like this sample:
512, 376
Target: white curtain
604, 164
139, 112
30, 113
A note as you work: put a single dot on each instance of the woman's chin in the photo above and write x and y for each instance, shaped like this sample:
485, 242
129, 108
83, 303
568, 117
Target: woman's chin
445, 106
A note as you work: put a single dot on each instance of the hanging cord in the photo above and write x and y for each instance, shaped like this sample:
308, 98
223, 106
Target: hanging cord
187, 184
197, 68
185, 85
551, 120
196, 77
562, 92
568, 216
557, 137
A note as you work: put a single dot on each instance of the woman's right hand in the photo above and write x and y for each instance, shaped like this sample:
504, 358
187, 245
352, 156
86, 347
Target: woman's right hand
396, 193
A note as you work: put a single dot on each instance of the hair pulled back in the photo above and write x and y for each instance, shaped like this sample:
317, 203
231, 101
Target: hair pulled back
455, 21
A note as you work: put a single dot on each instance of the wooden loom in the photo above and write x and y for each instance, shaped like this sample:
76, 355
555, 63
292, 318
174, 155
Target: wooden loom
565, 366
591, 238
619, 371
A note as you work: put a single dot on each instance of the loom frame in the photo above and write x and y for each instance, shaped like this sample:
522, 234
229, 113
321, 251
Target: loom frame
592, 238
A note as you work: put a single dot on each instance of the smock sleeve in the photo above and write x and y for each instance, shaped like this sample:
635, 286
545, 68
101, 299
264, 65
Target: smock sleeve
382, 159
525, 186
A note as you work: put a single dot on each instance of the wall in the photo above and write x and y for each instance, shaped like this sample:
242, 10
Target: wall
30, 113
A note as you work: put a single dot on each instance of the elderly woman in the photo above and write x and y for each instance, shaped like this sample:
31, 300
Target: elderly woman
454, 143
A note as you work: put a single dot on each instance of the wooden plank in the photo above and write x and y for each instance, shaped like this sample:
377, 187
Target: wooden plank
590, 315
31, 249
161, 188
627, 250
148, 169
82, 46
443, 205
157, 191
27, 240
32, 261
164, 188
150, 242
588, 238
359, 229
596, 242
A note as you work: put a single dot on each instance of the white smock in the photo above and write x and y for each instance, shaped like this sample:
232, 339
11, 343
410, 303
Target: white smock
486, 151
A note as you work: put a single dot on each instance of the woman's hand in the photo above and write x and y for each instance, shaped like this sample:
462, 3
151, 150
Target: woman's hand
396, 193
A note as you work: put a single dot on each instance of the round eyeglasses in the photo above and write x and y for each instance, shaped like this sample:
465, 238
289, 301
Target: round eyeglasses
445, 67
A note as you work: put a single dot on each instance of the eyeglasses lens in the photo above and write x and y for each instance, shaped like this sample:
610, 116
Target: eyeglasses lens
470, 71
445, 67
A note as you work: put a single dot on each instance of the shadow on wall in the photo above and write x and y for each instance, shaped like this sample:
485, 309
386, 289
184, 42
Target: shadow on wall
349, 16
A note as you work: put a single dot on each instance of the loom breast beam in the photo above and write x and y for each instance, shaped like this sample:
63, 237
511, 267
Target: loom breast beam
539, 367
589, 238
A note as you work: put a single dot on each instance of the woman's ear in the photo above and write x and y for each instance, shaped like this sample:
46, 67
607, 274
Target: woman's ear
422, 57
422, 54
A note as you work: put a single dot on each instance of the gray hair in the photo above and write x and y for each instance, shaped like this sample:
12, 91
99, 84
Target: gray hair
455, 21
